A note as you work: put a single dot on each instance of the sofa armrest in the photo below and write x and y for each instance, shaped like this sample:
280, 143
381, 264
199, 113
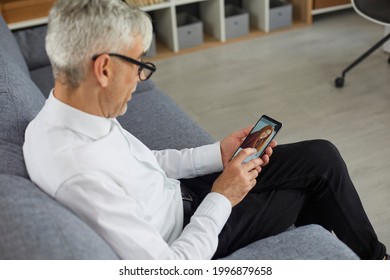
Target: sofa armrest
310, 242
34, 226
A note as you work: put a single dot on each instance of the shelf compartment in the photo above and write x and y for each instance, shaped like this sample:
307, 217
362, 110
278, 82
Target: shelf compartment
236, 22
280, 15
189, 31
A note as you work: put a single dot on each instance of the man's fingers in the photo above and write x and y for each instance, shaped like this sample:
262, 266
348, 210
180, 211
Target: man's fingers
242, 155
253, 164
253, 174
273, 144
265, 159
246, 130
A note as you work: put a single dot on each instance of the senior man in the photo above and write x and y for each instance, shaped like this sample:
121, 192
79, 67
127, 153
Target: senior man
77, 152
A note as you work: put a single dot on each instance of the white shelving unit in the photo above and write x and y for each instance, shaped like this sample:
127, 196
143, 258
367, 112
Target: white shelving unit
212, 15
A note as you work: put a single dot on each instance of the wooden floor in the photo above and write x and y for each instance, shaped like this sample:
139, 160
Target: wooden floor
289, 76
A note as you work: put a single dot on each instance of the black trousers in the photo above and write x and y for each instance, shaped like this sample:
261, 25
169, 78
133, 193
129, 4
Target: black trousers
304, 183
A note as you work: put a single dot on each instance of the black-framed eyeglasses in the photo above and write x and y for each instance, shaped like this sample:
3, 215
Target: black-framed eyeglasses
145, 69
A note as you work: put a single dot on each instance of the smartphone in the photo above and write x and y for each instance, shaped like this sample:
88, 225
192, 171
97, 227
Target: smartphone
260, 136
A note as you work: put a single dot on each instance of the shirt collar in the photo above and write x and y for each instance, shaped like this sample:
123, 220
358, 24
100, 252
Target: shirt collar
90, 125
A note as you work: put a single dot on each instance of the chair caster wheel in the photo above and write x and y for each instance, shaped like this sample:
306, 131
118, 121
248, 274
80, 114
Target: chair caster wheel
388, 60
339, 82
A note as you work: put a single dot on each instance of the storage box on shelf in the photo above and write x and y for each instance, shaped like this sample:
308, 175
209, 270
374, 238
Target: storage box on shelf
236, 21
189, 30
280, 14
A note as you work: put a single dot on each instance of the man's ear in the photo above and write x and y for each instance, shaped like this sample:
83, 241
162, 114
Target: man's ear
102, 69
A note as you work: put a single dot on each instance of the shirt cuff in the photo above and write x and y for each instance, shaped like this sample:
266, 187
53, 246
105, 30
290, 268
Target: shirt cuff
207, 159
217, 207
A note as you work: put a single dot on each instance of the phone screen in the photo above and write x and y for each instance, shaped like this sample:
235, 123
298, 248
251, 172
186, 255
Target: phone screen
260, 136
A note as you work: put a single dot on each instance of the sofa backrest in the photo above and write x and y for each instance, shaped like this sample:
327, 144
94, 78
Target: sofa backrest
31, 42
20, 101
155, 119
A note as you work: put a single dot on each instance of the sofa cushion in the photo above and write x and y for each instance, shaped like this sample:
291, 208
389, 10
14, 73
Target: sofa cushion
31, 42
310, 242
159, 123
8, 43
20, 101
34, 226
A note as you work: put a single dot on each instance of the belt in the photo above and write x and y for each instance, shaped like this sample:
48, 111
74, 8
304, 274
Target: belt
187, 204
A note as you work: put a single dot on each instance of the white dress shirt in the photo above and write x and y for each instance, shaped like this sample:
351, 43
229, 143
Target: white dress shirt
126, 192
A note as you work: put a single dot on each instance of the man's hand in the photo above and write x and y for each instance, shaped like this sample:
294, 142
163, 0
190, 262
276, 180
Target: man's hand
238, 178
230, 144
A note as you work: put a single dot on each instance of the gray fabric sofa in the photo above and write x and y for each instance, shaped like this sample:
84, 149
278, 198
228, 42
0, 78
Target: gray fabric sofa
34, 226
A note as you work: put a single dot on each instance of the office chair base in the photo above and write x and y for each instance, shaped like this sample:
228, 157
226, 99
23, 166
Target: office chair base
339, 82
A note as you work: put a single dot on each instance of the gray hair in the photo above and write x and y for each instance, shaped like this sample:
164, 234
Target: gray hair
79, 29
